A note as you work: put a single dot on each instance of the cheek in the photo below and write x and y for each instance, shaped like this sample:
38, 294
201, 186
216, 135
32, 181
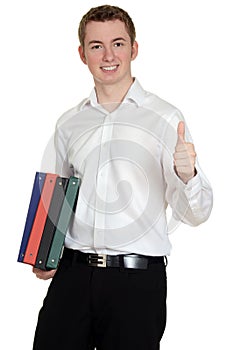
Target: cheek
126, 56
93, 60
93, 66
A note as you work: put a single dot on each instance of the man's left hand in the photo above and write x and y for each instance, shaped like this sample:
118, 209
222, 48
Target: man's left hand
184, 156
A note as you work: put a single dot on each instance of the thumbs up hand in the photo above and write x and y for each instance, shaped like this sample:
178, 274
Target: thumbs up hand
184, 156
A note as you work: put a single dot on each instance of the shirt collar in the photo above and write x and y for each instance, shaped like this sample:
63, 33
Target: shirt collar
135, 94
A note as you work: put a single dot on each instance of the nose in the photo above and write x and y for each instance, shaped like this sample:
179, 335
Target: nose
108, 54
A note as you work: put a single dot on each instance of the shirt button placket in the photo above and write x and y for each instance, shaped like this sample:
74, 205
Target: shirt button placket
102, 183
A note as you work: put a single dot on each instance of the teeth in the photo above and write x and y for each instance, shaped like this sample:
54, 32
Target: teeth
109, 68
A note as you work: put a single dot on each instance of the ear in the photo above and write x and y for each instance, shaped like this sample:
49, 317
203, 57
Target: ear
134, 50
82, 54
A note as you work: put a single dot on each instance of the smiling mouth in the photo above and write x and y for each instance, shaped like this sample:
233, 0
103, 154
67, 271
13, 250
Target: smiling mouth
109, 68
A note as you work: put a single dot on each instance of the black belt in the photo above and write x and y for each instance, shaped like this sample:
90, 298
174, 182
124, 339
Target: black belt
130, 261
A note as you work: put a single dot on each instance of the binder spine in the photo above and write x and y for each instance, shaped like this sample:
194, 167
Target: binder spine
32, 209
40, 218
51, 222
52, 203
63, 223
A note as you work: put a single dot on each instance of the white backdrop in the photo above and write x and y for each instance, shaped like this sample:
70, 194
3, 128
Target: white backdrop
186, 57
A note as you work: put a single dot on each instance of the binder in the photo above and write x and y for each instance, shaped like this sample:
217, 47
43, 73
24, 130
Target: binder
33, 204
40, 219
51, 222
68, 207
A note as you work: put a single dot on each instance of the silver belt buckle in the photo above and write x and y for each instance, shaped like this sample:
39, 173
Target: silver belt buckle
97, 260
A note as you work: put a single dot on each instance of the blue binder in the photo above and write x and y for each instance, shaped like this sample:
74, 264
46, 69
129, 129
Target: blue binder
35, 197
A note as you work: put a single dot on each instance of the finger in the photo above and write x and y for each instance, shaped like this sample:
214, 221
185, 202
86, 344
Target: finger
35, 270
181, 132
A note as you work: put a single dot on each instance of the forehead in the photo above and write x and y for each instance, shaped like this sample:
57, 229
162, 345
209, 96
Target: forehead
105, 31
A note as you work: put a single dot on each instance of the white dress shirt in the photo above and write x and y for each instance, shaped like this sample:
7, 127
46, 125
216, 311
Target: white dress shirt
125, 161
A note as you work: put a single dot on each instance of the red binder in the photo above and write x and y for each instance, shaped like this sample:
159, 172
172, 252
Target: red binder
40, 219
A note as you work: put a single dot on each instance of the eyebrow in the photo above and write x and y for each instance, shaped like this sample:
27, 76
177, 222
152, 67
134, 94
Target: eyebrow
100, 42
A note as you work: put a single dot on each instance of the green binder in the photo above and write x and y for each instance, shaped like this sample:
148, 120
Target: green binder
67, 210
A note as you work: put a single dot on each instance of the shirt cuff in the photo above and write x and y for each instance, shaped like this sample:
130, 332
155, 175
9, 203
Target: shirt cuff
192, 190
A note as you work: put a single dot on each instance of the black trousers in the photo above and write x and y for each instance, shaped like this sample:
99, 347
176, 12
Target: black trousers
103, 308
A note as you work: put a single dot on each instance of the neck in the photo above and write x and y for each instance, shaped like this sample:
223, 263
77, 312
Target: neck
111, 95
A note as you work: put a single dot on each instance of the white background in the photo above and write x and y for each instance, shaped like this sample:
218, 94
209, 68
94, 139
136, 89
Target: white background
186, 57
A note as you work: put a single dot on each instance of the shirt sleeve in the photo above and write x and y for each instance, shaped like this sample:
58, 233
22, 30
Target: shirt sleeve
62, 165
191, 203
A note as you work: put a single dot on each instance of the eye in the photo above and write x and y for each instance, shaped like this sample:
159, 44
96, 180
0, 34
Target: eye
96, 47
118, 44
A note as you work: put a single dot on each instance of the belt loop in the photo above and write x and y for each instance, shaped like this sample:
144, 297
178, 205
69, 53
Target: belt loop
121, 263
165, 261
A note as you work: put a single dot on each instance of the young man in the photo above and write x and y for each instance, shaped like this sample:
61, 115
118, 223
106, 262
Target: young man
130, 149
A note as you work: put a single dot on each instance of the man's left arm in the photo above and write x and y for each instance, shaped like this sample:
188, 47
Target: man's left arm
188, 191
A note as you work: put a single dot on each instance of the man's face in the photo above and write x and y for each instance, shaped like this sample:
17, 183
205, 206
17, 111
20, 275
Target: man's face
108, 52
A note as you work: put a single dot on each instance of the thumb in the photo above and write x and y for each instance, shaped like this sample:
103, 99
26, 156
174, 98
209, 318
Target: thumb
181, 132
